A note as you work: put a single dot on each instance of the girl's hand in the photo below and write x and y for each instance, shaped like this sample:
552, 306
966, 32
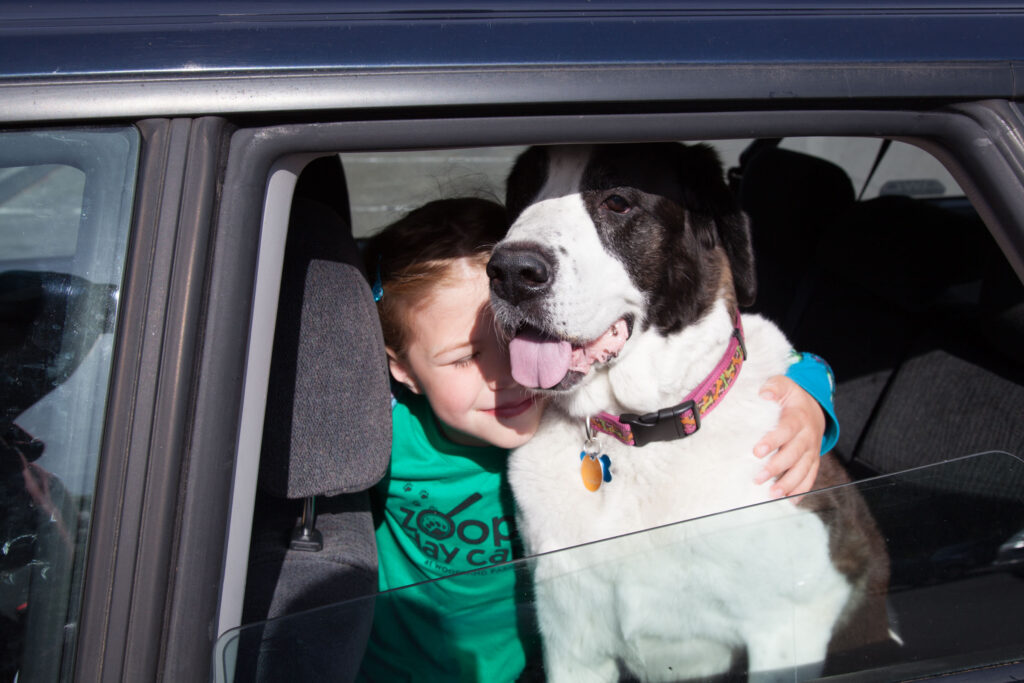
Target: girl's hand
796, 440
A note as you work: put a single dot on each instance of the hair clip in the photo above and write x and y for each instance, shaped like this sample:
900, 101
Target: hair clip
378, 287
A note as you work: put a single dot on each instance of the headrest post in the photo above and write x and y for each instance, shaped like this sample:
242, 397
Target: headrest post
305, 537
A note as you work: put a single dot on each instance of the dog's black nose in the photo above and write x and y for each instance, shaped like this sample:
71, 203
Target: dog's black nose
519, 272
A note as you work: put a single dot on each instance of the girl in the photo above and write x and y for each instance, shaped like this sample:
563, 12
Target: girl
445, 507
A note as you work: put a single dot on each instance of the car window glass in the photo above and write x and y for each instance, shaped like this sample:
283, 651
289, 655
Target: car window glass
952, 532
41, 207
65, 209
385, 185
902, 169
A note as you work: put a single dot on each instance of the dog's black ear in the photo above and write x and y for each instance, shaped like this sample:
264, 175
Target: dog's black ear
716, 217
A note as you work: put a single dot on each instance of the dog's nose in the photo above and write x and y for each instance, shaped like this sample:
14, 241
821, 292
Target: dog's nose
519, 272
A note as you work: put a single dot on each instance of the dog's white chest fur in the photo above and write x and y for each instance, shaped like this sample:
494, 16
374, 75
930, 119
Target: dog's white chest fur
678, 601
709, 472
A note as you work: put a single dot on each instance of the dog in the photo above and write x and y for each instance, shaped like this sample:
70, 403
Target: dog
619, 284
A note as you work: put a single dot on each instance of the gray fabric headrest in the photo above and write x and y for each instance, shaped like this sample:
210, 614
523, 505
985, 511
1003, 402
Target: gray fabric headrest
328, 421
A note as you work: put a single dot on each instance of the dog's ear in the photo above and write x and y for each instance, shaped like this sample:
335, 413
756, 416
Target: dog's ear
528, 175
716, 217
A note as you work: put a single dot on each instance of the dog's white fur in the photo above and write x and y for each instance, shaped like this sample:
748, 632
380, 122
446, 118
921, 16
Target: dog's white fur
681, 601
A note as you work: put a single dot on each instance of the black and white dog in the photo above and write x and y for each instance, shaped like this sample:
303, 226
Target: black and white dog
619, 284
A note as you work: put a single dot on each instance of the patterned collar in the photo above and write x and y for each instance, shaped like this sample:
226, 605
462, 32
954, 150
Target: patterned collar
683, 419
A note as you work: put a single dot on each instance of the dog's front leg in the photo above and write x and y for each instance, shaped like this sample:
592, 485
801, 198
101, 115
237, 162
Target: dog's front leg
579, 640
780, 652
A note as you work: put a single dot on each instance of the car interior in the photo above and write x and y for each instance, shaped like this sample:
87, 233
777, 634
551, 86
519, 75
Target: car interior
327, 431
909, 299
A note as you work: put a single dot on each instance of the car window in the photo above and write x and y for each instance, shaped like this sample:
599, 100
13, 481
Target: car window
954, 599
65, 210
384, 186
882, 289
42, 207
901, 169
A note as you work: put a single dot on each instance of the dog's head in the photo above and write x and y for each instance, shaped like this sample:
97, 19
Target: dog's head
609, 240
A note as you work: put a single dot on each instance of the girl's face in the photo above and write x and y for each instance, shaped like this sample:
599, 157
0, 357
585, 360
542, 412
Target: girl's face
455, 358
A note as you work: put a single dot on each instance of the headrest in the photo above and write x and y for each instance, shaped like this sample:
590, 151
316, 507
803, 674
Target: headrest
793, 191
328, 421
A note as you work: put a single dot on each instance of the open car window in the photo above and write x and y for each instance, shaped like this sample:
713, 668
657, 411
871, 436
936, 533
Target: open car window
903, 297
882, 168
954, 600
385, 186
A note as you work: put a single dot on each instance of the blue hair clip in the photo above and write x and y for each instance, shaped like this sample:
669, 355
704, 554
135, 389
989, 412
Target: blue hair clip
377, 288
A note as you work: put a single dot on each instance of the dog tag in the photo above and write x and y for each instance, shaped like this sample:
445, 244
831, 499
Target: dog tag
590, 470
594, 470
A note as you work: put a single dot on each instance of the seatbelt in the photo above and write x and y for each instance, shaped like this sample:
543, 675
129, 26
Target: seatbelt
886, 143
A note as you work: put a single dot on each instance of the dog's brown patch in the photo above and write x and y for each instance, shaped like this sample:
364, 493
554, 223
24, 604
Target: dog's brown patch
858, 551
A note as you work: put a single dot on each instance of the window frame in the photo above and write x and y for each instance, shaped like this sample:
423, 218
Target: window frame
130, 570
971, 140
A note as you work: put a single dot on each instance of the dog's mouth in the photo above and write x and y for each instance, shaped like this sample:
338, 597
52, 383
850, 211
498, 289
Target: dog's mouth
543, 361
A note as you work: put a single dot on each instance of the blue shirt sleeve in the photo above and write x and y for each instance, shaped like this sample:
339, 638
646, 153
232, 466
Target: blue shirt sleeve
815, 377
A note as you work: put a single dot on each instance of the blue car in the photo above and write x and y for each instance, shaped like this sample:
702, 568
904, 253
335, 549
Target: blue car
194, 399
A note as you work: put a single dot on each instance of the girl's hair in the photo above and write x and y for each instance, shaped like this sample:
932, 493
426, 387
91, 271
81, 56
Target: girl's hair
411, 257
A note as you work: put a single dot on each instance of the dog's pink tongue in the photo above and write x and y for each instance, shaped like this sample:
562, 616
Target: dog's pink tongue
538, 362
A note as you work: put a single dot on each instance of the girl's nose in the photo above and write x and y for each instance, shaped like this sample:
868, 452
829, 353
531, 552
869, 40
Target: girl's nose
500, 376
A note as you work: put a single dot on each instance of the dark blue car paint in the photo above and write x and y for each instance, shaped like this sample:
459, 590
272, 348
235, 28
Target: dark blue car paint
765, 50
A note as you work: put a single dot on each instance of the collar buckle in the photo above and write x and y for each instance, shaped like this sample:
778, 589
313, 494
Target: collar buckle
663, 425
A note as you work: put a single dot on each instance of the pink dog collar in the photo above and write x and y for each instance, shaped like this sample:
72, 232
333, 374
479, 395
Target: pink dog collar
683, 419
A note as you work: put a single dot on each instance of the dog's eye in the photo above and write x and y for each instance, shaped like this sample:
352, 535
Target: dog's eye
616, 203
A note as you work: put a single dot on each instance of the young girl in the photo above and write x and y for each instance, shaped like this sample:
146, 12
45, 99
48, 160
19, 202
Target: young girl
445, 506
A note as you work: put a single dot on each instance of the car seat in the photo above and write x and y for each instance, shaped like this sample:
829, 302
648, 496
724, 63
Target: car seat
326, 441
789, 197
921, 291
890, 292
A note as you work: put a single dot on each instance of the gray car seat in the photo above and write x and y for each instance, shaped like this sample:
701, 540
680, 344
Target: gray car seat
326, 441
911, 303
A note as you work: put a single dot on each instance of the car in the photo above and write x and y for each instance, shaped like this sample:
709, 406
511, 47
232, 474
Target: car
189, 433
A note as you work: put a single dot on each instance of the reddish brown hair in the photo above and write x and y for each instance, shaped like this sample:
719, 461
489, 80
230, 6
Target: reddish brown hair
412, 256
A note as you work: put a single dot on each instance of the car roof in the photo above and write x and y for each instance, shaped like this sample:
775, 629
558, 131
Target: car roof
42, 39
720, 51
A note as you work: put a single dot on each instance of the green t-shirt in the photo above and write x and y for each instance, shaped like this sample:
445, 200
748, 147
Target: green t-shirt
444, 509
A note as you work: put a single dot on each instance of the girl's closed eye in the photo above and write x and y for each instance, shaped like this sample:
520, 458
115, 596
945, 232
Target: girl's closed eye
466, 360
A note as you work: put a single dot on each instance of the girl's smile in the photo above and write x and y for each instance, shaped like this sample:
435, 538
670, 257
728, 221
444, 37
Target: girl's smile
512, 409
